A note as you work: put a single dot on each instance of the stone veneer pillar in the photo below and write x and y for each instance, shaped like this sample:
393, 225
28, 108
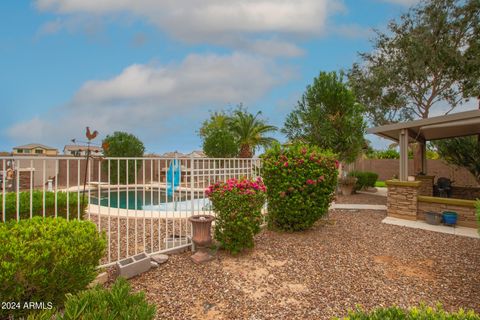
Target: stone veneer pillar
402, 199
426, 186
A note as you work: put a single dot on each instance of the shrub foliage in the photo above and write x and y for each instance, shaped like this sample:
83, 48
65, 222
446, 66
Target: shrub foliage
301, 180
416, 313
365, 179
238, 205
43, 259
37, 204
99, 303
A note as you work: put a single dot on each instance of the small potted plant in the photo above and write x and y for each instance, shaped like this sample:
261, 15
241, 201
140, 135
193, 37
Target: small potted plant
347, 185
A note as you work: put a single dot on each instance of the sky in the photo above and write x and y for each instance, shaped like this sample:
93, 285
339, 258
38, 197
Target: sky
157, 68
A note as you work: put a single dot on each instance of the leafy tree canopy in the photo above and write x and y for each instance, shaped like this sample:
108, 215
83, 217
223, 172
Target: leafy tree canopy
235, 133
431, 55
250, 131
122, 144
328, 116
463, 152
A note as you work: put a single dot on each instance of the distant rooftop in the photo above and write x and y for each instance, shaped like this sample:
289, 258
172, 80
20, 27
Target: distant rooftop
34, 146
176, 154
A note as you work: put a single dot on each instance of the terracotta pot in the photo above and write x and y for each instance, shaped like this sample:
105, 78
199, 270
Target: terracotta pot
202, 229
347, 189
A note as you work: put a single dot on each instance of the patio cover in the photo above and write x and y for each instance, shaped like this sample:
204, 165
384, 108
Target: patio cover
448, 126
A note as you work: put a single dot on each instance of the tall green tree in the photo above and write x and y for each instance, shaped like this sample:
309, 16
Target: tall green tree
463, 152
122, 144
430, 55
250, 131
218, 140
235, 133
328, 116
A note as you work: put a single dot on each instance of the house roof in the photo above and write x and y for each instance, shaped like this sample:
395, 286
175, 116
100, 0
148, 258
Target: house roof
75, 147
197, 154
172, 155
34, 146
448, 126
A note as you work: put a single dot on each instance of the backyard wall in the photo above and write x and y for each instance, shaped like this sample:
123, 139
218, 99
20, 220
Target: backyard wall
388, 168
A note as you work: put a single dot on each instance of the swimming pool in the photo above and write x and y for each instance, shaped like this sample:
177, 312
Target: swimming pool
148, 200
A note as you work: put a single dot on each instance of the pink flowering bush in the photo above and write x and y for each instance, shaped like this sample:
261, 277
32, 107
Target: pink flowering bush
301, 180
238, 205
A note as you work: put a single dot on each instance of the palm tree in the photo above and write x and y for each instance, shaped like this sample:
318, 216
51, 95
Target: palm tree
250, 132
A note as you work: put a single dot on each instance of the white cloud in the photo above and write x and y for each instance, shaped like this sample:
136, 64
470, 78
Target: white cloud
151, 100
193, 18
229, 23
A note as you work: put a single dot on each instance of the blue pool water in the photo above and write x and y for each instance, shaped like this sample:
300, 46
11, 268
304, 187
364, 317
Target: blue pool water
150, 200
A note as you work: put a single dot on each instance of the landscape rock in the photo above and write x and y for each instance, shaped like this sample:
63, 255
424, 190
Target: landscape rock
159, 258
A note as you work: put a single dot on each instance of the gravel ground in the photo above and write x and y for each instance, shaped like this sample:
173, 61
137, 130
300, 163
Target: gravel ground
321, 273
361, 198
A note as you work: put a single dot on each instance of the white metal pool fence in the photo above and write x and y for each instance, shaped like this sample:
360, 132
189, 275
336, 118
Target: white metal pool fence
142, 204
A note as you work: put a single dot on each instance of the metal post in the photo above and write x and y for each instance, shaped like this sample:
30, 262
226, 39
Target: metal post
403, 142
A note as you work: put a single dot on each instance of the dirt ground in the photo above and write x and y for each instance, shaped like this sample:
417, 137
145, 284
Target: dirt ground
321, 273
361, 198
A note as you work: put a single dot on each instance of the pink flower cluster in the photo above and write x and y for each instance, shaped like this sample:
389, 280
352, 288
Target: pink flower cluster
243, 186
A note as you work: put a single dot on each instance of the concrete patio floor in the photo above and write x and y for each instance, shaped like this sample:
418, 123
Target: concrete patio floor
419, 224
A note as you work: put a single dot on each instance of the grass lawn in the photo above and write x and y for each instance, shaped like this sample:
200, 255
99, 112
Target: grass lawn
380, 184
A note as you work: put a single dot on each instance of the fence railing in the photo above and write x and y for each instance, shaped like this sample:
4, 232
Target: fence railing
142, 204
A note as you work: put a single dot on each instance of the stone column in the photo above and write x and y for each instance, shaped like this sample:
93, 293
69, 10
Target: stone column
426, 186
402, 199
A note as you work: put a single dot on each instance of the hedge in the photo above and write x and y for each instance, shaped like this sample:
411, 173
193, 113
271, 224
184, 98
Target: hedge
105, 304
42, 259
238, 205
365, 179
37, 204
416, 313
300, 181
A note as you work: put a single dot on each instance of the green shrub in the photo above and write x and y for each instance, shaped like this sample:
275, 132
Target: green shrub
380, 184
300, 182
238, 205
43, 259
385, 154
99, 303
37, 204
417, 313
365, 179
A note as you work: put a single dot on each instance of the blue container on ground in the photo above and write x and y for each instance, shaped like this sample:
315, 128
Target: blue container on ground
450, 218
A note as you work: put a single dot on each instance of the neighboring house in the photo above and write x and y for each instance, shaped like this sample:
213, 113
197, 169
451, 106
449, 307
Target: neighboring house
35, 149
197, 154
81, 151
176, 154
